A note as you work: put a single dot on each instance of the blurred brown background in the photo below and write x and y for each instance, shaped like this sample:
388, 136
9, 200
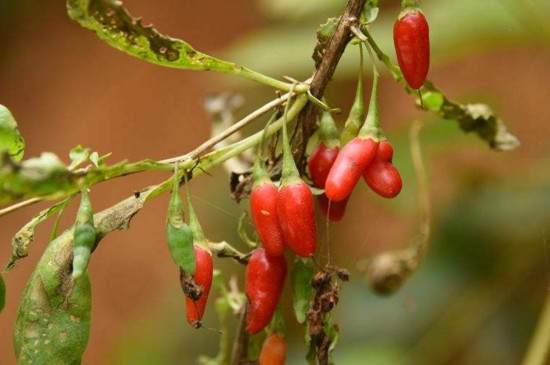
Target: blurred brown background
477, 297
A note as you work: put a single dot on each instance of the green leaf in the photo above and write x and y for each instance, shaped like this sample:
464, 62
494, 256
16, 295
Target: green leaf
78, 155
53, 319
324, 34
40, 176
25, 236
94, 157
113, 24
333, 332
300, 278
2, 293
10, 138
371, 11
477, 118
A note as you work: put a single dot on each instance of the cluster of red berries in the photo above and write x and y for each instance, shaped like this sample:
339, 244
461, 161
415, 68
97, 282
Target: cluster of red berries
285, 216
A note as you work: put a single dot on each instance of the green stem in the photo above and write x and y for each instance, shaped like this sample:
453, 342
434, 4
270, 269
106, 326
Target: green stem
259, 172
356, 116
266, 80
328, 133
290, 173
371, 128
538, 350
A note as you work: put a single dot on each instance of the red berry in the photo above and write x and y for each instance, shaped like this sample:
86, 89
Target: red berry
203, 277
348, 167
263, 206
265, 277
320, 162
381, 176
273, 351
411, 36
337, 209
296, 212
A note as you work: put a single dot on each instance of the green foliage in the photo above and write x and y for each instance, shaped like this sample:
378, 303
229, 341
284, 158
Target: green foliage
324, 34
114, 25
300, 278
25, 236
10, 138
45, 175
53, 319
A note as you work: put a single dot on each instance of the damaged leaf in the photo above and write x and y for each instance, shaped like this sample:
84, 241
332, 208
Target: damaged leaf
324, 34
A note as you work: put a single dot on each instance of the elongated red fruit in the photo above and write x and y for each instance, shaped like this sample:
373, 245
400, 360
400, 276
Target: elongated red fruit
263, 207
411, 36
203, 277
295, 206
321, 160
381, 176
273, 351
265, 278
337, 209
348, 167
296, 211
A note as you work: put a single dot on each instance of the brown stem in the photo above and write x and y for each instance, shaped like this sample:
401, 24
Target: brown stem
323, 74
240, 345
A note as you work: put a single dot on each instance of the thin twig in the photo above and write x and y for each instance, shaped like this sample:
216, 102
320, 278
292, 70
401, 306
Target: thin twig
229, 131
537, 353
20, 205
189, 156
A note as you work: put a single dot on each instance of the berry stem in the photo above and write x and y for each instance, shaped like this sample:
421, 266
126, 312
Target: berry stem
290, 172
259, 172
371, 128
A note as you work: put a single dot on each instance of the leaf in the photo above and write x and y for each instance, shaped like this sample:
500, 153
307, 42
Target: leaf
94, 157
113, 24
300, 278
371, 11
53, 319
2, 293
78, 156
40, 176
324, 34
10, 138
25, 236
477, 118
333, 332
99, 160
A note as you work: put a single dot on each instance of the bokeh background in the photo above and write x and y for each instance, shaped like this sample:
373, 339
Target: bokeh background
477, 296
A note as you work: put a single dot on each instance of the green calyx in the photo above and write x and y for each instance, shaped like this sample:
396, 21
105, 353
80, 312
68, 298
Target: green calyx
408, 6
259, 172
290, 173
357, 113
371, 127
328, 133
